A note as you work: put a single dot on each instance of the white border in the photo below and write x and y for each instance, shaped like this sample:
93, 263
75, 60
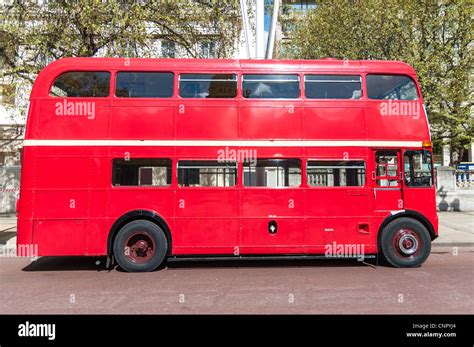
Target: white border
218, 143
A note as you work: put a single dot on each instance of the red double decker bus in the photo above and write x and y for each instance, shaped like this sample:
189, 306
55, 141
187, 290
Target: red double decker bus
144, 160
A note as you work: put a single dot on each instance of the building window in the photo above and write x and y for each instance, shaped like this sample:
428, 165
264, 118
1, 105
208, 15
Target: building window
391, 87
336, 173
418, 168
168, 49
141, 172
208, 85
144, 84
273, 173
208, 49
206, 173
332, 87
7, 94
301, 5
271, 86
82, 84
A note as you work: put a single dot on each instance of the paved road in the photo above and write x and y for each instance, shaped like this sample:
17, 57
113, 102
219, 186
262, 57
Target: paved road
455, 228
444, 284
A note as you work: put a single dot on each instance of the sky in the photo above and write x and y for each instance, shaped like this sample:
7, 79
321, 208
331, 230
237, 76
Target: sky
268, 18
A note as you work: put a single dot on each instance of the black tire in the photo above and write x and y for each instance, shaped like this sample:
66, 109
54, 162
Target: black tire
140, 246
405, 242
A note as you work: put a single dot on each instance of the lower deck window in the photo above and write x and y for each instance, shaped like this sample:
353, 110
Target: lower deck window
141, 172
273, 173
336, 173
387, 168
206, 173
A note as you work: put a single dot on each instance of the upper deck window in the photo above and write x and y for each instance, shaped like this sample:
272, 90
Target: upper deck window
391, 87
144, 84
81, 84
207, 85
333, 86
271, 86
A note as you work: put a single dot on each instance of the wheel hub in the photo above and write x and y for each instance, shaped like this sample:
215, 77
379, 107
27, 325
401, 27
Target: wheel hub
408, 244
141, 247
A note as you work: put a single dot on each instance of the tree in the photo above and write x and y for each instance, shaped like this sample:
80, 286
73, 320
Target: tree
435, 37
33, 35
188, 23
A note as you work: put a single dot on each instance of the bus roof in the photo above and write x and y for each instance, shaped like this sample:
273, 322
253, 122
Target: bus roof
362, 122
329, 64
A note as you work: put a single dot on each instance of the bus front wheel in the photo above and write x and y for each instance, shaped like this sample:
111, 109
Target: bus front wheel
140, 246
405, 242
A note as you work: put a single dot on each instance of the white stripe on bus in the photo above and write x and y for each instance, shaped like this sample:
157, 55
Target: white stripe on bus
219, 143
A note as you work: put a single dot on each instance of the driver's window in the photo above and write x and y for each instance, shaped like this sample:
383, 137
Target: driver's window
386, 168
418, 169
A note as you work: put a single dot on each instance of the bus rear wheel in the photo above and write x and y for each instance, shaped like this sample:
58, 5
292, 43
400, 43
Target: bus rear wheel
140, 246
405, 242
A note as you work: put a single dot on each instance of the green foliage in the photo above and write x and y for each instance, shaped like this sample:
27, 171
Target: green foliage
435, 37
32, 35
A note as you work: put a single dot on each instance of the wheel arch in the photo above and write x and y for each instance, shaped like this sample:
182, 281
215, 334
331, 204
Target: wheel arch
407, 214
138, 215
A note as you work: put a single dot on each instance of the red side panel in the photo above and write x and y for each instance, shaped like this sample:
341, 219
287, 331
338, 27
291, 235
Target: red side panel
68, 204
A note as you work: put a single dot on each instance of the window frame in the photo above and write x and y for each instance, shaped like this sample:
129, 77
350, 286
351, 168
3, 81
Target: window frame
178, 83
109, 95
361, 81
168, 43
299, 81
138, 186
417, 88
143, 97
366, 178
211, 48
179, 186
302, 181
420, 151
377, 179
